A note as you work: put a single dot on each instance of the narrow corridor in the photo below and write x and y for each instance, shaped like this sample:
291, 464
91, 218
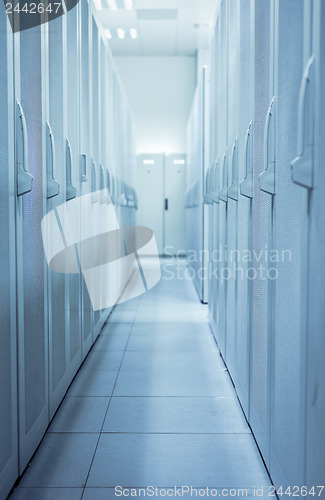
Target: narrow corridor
152, 405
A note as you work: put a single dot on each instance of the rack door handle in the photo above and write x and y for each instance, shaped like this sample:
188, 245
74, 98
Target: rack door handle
303, 165
166, 203
223, 194
233, 188
24, 178
83, 168
246, 186
52, 185
95, 194
103, 197
206, 198
267, 178
71, 191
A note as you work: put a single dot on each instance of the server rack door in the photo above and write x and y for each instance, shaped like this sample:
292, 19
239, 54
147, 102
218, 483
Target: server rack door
210, 240
58, 296
232, 216
104, 120
85, 157
195, 179
94, 93
290, 207
315, 465
262, 216
8, 351
94, 135
223, 196
96, 227
31, 270
233, 260
103, 108
175, 172
214, 255
222, 295
72, 169
214, 267
241, 374
202, 274
150, 181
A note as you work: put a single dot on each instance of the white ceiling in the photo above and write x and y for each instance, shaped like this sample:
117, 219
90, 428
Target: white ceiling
182, 26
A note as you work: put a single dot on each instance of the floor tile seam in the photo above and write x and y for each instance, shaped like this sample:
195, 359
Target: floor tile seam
96, 447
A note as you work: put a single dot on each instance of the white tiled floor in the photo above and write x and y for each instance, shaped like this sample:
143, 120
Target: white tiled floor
153, 405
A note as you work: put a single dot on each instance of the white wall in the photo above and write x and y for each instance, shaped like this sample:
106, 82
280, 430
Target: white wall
160, 92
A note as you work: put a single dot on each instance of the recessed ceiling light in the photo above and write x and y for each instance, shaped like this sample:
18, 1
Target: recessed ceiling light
133, 33
121, 33
128, 4
112, 4
108, 34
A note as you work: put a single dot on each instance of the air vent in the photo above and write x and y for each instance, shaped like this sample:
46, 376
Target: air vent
157, 14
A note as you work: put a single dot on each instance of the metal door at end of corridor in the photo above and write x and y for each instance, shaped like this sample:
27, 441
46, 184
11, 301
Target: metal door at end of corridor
150, 182
174, 220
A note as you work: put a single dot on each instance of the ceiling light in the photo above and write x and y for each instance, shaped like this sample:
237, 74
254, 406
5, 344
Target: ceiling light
112, 4
98, 4
108, 34
121, 33
133, 33
128, 4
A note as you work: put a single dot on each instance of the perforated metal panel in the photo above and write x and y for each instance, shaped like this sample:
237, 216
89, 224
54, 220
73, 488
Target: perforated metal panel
84, 74
315, 466
262, 217
232, 216
73, 136
95, 92
8, 351
290, 206
196, 183
245, 233
223, 143
104, 87
95, 103
85, 187
58, 295
32, 333
215, 162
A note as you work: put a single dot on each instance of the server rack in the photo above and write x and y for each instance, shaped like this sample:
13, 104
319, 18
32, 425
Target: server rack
268, 326
232, 66
46, 146
72, 148
245, 205
32, 329
8, 189
289, 205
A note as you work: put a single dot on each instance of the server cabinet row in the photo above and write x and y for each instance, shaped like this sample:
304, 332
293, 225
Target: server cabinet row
63, 113
263, 185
